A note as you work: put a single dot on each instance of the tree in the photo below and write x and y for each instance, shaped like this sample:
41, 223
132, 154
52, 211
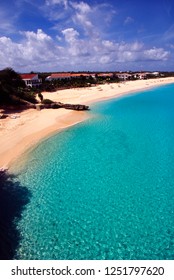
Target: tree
12, 78
40, 96
10, 82
13, 89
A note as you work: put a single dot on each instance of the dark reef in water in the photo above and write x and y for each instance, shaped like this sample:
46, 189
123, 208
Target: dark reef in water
13, 198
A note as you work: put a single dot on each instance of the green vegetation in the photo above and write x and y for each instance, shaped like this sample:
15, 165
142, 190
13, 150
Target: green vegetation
73, 82
13, 90
40, 96
167, 74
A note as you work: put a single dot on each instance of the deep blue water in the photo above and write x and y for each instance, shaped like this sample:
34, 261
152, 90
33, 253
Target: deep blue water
104, 189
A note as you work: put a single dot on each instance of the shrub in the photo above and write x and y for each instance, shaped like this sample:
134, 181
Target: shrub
40, 96
47, 101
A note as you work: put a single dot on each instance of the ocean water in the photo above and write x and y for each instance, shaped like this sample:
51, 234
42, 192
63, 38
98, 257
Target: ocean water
104, 189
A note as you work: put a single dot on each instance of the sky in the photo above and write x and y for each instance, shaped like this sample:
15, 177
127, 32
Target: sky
98, 35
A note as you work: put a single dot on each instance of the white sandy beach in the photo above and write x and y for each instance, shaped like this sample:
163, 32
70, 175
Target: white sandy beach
19, 134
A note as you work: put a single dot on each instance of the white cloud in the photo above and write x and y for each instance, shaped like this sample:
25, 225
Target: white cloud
128, 20
39, 36
82, 7
39, 51
105, 59
84, 17
57, 2
35, 50
136, 46
79, 42
70, 35
156, 54
78, 14
83, 21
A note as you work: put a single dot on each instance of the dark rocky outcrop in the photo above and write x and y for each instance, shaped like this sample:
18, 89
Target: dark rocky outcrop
53, 105
56, 105
3, 116
77, 107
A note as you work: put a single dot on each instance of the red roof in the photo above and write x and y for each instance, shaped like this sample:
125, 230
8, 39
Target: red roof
60, 75
67, 75
105, 74
80, 74
27, 76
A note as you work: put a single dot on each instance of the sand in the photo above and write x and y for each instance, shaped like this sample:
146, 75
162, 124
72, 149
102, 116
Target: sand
29, 127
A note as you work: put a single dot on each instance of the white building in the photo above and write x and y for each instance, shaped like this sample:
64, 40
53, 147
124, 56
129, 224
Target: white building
31, 80
124, 76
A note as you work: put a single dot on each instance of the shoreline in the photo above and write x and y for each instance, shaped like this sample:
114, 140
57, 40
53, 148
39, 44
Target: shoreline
31, 126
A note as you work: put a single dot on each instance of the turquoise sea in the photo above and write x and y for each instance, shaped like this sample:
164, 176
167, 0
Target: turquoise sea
104, 189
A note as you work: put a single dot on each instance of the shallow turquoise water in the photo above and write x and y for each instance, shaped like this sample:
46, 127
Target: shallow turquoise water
104, 189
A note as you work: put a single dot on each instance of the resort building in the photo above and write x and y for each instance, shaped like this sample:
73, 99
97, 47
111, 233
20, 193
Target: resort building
156, 74
145, 75
58, 76
61, 76
31, 80
140, 75
107, 76
124, 76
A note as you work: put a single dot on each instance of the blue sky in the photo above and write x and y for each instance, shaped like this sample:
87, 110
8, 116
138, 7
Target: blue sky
64, 35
